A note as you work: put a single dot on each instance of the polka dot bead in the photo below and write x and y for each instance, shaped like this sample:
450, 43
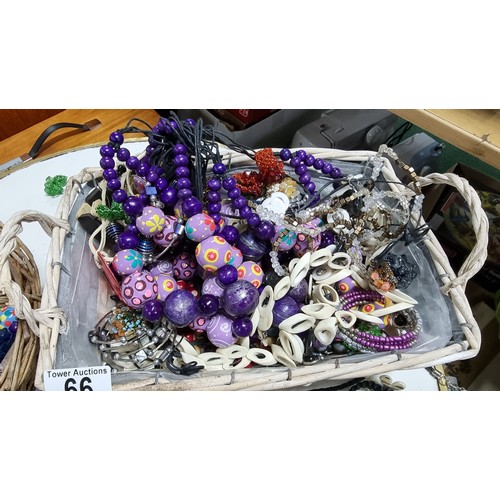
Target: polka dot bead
372, 306
138, 288
305, 244
200, 324
236, 257
219, 331
151, 221
250, 271
7, 317
166, 285
184, 266
127, 261
166, 235
213, 253
346, 285
199, 227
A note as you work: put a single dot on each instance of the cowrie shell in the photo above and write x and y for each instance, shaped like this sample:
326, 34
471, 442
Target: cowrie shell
367, 317
243, 363
281, 288
213, 358
345, 318
233, 352
265, 321
337, 276
338, 260
244, 342
266, 300
319, 310
320, 257
282, 357
297, 323
300, 269
261, 357
398, 296
185, 346
292, 345
326, 330
322, 273
326, 294
255, 321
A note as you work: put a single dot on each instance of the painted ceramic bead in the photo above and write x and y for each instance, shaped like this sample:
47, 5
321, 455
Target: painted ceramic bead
199, 324
304, 243
213, 252
166, 285
184, 266
181, 308
346, 285
138, 288
212, 287
188, 286
200, 227
165, 236
288, 238
284, 309
151, 221
236, 257
163, 267
240, 298
128, 261
8, 328
219, 331
252, 272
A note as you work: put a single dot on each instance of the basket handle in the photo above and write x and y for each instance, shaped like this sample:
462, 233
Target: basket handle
8, 235
480, 224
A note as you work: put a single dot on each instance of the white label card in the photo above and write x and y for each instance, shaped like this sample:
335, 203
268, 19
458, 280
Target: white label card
91, 378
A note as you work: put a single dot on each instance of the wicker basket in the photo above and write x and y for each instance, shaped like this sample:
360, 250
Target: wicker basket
280, 378
20, 287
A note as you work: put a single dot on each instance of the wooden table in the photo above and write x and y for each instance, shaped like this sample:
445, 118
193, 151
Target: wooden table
67, 139
475, 131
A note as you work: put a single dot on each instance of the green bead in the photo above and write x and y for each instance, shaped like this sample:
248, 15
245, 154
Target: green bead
54, 186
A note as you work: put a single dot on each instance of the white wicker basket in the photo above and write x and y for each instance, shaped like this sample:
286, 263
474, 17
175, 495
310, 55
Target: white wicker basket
279, 378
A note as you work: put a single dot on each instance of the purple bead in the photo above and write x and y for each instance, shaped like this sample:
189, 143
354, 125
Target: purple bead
107, 150
240, 202
181, 160
251, 247
144, 198
208, 304
161, 184
242, 327
133, 163
230, 234
109, 173
219, 331
229, 183
142, 170
127, 240
152, 177
114, 184
146, 161
191, 206
190, 122
219, 168
107, 162
151, 148
133, 206
132, 228
214, 208
319, 163
309, 160
179, 149
214, 184
181, 172
283, 309
227, 275
246, 212
299, 291
336, 173
183, 183
240, 298
181, 308
265, 230
254, 220
120, 195
301, 154
295, 162
216, 217
311, 187
327, 239
285, 154
301, 169
213, 197
327, 168
212, 287
184, 193
116, 137
123, 154
305, 179
234, 193
153, 310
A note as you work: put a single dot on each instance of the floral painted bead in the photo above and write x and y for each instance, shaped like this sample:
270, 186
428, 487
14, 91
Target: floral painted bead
304, 243
151, 221
200, 227
219, 331
165, 236
213, 253
184, 266
250, 271
138, 288
127, 261
199, 325
166, 285
288, 238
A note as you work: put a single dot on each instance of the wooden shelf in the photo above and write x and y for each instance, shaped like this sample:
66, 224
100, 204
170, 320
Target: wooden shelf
475, 131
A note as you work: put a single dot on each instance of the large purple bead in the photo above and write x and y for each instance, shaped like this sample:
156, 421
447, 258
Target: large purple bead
133, 206
283, 309
299, 291
251, 247
240, 298
180, 308
191, 206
